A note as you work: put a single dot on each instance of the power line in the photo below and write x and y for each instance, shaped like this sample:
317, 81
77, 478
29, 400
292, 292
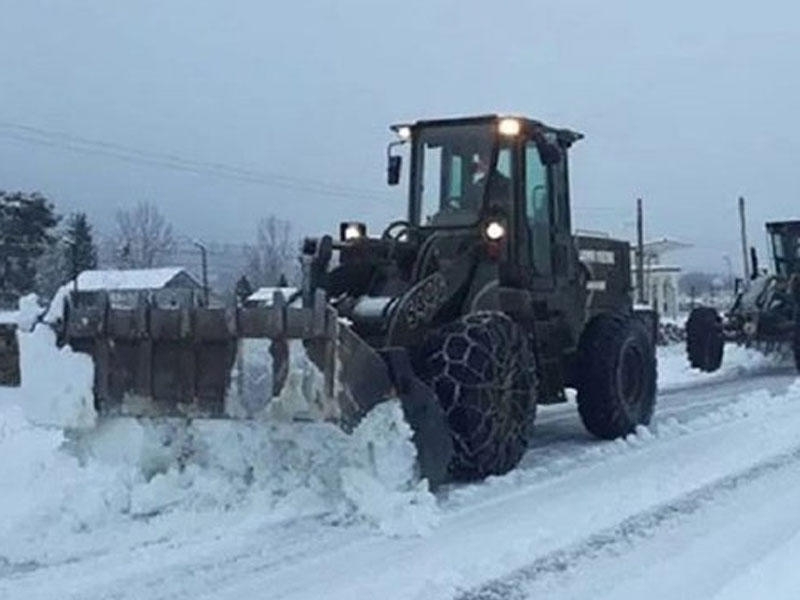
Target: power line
172, 158
81, 145
184, 168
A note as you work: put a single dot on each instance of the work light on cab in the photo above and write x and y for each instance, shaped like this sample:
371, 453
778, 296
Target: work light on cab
509, 127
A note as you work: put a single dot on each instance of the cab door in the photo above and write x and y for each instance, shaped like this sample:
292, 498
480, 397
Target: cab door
563, 250
558, 293
538, 215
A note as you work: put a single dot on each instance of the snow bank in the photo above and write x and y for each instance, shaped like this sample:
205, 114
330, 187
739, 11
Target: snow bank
380, 481
675, 372
45, 493
56, 382
29, 312
64, 490
65, 473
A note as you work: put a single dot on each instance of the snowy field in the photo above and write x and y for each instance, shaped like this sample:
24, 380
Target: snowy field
700, 505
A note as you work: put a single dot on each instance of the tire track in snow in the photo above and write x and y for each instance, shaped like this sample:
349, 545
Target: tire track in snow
562, 445
627, 532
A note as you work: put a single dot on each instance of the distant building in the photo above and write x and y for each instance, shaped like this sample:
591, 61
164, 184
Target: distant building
168, 287
660, 278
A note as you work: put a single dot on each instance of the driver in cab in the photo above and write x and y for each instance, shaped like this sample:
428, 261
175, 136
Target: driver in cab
499, 186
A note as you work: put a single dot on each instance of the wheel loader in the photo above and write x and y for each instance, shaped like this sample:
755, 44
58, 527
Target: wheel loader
765, 313
477, 306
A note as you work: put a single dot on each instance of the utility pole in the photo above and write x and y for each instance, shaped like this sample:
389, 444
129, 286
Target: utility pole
745, 257
204, 261
639, 252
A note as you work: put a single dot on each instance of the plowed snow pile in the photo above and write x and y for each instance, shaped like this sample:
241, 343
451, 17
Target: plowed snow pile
104, 479
675, 372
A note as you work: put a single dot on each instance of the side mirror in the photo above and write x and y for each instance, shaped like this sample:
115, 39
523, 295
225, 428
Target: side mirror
395, 164
549, 153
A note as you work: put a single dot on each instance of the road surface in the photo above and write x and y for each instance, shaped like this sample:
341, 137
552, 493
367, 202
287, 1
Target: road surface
703, 504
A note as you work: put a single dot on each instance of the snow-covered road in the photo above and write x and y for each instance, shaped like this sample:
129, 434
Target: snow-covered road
736, 537
701, 505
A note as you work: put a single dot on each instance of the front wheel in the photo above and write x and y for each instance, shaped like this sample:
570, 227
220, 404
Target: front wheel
704, 341
616, 375
483, 373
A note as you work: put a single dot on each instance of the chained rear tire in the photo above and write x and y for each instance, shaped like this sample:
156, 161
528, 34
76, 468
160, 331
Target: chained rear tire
616, 375
704, 341
482, 370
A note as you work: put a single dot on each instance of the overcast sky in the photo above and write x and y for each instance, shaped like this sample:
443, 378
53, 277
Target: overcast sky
685, 103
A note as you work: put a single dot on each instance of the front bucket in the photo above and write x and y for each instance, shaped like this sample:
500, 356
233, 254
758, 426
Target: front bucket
158, 362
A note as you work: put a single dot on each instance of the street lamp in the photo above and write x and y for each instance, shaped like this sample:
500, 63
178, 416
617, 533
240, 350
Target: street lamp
73, 259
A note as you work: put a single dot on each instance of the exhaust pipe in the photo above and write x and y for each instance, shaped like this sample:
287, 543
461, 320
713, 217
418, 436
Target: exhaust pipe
743, 232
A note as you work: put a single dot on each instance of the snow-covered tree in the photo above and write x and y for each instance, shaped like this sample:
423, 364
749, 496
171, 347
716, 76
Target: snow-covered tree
71, 251
27, 222
82, 252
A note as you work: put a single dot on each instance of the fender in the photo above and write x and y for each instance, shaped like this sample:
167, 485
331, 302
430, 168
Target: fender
418, 308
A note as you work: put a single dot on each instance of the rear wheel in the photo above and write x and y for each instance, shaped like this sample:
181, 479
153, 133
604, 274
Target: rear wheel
482, 371
616, 375
704, 341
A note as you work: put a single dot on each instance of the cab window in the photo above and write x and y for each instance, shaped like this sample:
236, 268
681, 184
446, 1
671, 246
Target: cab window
538, 210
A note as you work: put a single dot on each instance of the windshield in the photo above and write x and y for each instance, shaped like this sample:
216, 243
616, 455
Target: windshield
786, 249
453, 166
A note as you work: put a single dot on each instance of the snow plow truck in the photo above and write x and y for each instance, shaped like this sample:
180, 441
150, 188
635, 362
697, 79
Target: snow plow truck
765, 313
475, 308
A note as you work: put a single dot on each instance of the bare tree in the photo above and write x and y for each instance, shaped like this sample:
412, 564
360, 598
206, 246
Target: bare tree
273, 255
145, 238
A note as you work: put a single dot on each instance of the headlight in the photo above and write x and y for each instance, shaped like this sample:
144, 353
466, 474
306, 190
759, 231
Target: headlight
349, 231
404, 132
509, 127
495, 230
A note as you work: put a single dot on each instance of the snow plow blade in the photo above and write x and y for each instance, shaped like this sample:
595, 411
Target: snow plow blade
166, 358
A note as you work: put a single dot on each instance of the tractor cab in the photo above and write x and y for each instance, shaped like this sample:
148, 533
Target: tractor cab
784, 239
502, 177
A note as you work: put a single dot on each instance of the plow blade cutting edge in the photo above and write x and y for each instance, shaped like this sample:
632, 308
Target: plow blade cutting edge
159, 358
